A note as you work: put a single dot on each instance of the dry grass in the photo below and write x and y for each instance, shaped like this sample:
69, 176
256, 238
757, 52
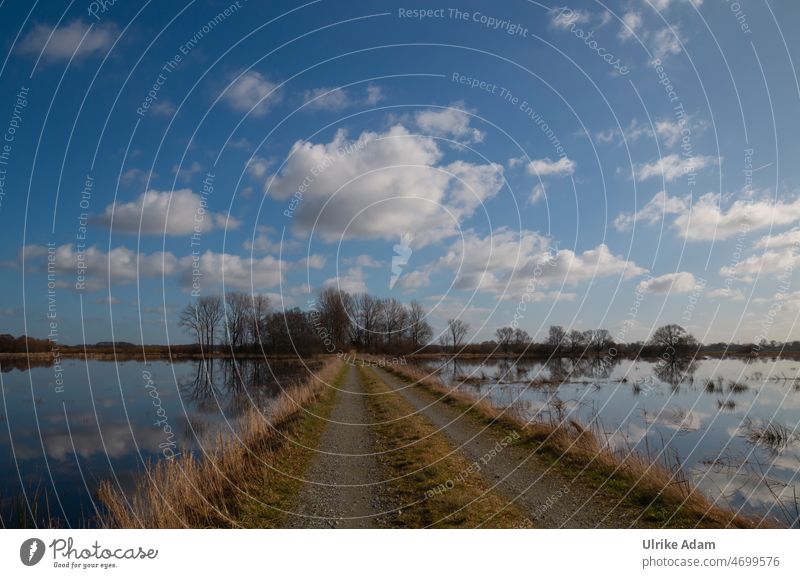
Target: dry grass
774, 436
436, 485
663, 493
212, 491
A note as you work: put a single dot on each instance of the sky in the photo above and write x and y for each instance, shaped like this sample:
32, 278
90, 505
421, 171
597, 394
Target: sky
595, 164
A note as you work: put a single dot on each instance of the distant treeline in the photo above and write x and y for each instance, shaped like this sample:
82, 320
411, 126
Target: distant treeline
338, 321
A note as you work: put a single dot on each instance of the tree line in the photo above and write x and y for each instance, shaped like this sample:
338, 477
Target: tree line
338, 321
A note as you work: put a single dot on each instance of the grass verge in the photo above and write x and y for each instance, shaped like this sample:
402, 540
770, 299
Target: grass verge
242, 482
664, 496
438, 486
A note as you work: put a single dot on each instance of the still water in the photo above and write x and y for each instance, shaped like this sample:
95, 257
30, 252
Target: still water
109, 420
731, 425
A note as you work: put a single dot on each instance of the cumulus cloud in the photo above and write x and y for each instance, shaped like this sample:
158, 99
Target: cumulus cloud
785, 239
767, 263
251, 92
353, 281
681, 282
121, 265
506, 261
708, 219
631, 25
452, 122
179, 212
546, 168
77, 39
673, 166
381, 185
218, 271
655, 210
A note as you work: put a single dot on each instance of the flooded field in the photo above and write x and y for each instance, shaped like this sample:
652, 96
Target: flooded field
109, 420
731, 425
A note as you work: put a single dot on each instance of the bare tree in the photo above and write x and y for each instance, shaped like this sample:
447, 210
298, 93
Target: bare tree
419, 330
457, 330
238, 314
504, 337
202, 318
577, 340
600, 339
521, 338
257, 323
393, 320
557, 336
335, 307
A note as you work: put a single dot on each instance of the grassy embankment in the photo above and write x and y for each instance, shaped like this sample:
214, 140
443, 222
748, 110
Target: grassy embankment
665, 495
437, 486
247, 482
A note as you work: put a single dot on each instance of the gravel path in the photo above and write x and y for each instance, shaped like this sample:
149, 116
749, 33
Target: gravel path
551, 500
343, 489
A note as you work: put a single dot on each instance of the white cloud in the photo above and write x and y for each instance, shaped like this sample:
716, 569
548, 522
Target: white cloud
380, 186
726, 293
326, 98
707, 219
414, 279
76, 38
673, 166
448, 122
537, 193
121, 264
163, 108
666, 42
258, 167
681, 282
546, 167
374, 94
631, 24
668, 130
366, 261
164, 212
353, 281
314, 261
655, 210
563, 17
238, 272
785, 239
767, 263
510, 258
337, 99
251, 91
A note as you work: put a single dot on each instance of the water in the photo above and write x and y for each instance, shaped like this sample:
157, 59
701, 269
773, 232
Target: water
110, 419
706, 416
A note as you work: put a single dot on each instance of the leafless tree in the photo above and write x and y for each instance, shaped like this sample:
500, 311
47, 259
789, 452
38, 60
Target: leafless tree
504, 335
238, 314
557, 336
202, 319
334, 315
419, 330
456, 330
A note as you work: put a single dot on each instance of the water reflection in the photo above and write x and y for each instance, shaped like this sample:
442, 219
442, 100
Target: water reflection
731, 424
105, 425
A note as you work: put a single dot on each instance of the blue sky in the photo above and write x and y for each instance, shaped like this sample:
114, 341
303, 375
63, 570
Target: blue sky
622, 165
